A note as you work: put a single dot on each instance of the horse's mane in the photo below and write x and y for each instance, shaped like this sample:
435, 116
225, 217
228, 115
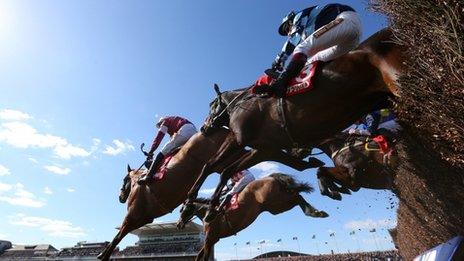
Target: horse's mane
289, 184
136, 174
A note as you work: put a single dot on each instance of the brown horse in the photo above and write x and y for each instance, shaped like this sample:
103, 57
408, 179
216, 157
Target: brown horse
344, 90
144, 203
355, 166
276, 194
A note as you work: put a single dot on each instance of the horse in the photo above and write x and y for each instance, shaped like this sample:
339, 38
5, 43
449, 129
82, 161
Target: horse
355, 166
145, 203
344, 90
275, 193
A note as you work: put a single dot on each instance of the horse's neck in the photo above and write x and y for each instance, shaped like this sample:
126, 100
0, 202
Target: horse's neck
230, 96
333, 144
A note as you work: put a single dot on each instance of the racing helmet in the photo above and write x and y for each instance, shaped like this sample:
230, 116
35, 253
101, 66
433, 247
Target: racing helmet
286, 24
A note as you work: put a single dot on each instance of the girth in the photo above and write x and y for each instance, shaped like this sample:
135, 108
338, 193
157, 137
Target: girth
283, 122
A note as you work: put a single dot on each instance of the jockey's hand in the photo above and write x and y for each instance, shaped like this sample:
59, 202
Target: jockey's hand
277, 65
353, 132
149, 156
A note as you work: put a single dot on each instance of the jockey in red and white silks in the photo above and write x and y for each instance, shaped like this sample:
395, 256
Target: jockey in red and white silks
240, 180
317, 33
179, 129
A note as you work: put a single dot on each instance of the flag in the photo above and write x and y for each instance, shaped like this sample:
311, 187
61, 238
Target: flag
314, 236
332, 234
372, 230
247, 243
295, 238
279, 240
352, 233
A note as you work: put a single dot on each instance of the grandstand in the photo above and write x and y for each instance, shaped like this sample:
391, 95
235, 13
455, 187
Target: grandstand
29, 252
81, 251
163, 241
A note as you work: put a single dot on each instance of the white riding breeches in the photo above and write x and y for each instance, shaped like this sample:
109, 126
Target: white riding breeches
179, 138
335, 42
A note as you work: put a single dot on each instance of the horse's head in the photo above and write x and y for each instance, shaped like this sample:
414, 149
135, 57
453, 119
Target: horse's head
217, 115
126, 186
187, 211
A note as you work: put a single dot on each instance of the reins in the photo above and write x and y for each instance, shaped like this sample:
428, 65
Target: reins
230, 103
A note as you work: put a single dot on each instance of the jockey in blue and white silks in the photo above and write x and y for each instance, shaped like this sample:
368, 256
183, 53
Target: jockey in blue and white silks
317, 33
380, 122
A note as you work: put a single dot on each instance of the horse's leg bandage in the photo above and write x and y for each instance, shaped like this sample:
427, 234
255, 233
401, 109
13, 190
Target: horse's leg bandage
327, 27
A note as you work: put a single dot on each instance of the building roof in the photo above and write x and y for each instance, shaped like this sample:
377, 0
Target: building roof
167, 228
42, 247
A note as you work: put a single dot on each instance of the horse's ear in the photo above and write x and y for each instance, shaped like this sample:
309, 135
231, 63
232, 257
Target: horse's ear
216, 89
128, 168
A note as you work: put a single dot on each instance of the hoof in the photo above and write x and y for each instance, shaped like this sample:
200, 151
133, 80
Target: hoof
315, 163
321, 214
344, 190
210, 216
332, 195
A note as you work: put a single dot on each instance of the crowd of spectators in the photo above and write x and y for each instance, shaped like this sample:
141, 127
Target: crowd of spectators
157, 249
84, 251
391, 255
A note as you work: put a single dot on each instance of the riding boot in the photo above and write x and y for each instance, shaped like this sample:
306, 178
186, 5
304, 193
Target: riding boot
152, 171
279, 87
213, 212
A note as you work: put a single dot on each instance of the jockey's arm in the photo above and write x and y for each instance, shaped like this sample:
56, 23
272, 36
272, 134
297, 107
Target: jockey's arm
159, 137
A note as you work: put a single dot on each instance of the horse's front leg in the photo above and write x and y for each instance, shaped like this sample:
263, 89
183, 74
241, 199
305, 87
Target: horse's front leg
292, 161
228, 146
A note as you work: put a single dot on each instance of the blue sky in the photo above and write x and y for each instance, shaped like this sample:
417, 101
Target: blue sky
81, 85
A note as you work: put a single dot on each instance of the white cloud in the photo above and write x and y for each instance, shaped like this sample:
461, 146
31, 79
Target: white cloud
22, 135
4, 171
68, 151
5, 187
13, 115
17, 195
70, 190
58, 170
48, 191
370, 224
53, 227
266, 168
33, 160
120, 147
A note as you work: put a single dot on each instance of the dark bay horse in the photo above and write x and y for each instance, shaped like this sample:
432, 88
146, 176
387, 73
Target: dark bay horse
355, 166
144, 203
344, 90
276, 194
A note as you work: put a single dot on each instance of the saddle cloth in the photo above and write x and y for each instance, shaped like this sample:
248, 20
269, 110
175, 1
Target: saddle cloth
233, 203
161, 171
300, 84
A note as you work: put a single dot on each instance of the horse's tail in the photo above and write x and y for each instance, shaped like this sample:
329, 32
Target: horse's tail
289, 184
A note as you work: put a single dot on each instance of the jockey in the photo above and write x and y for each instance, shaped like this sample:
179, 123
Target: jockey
380, 122
317, 33
239, 181
179, 129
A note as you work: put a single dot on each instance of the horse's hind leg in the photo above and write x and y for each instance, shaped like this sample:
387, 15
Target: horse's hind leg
127, 226
309, 210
